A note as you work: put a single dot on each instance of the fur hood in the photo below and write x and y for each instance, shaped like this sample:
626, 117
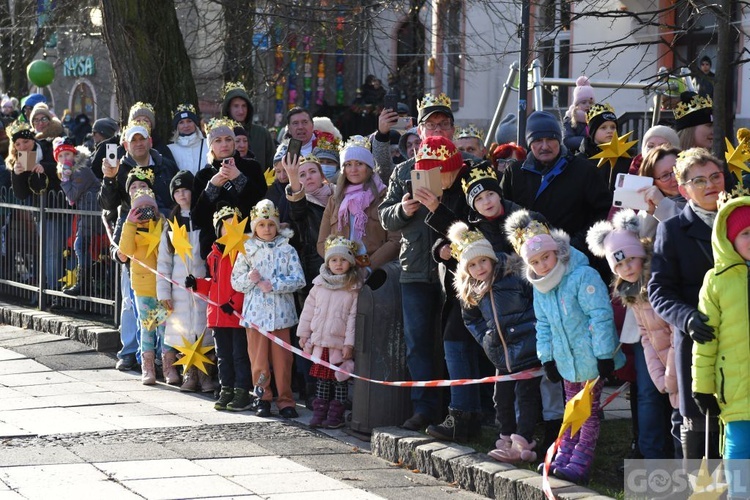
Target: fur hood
82, 160
54, 129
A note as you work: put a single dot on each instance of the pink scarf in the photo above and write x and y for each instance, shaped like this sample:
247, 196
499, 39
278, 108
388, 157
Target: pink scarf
357, 197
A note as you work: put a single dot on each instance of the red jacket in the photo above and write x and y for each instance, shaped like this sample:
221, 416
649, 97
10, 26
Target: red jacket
218, 287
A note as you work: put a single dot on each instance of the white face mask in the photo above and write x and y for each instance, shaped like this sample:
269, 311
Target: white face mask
329, 171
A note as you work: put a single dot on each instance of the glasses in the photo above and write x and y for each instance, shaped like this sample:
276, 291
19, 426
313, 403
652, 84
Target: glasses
666, 177
43, 119
702, 182
446, 125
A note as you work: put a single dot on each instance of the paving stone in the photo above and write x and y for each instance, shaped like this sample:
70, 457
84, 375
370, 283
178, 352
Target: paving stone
531, 488
385, 441
506, 483
575, 493
14, 456
424, 452
483, 474
441, 460
407, 449
125, 451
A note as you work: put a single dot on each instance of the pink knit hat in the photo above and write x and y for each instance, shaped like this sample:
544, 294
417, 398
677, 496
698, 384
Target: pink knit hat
583, 90
621, 244
537, 244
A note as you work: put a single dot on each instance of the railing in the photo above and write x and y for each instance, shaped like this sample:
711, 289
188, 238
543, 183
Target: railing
38, 257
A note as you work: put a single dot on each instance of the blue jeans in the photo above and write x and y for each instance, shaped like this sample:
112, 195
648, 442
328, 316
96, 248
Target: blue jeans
462, 359
653, 410
232, 357
420, 303
129, 335
54, 243
553, 400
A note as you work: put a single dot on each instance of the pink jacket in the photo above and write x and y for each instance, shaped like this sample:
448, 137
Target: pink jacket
328, 318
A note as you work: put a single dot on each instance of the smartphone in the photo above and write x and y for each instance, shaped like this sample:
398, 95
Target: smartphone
390, 101
225, 161
24, 159
429, 179
111, 154
627, 193
409, 188
403, 123
294, 148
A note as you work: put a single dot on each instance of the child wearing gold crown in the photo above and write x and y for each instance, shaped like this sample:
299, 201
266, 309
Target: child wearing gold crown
602, 126
268, 273
140, 238
575, 330
326, 329
497, 308
720, 361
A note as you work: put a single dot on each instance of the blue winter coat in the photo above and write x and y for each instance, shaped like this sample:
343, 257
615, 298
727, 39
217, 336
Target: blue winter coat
513, 349
575, 323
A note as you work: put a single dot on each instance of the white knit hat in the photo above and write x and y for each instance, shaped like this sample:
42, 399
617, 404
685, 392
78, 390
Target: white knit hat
338, 245
265, 209
467, 245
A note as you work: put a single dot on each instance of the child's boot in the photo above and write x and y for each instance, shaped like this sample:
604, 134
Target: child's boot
171, 376
519, 451
225, 397
502, 448
564, 452
241, 401
206, 380
74, 290
148, 368
320, 412
335, 418
190, 380
455, 427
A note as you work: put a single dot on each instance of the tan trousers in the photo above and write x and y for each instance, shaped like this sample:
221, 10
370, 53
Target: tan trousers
264, 354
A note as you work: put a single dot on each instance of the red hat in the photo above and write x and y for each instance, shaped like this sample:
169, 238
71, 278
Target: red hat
738, 220
63, 144
438, 151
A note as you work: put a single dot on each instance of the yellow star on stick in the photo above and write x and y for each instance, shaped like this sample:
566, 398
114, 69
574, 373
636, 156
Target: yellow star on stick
152, 237
270, 176
737, 158
194, 354
614, 149
234, 240
577, 409
705, 486
180, 242
70, 278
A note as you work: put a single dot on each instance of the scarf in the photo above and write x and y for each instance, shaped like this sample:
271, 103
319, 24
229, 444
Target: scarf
329, 280
546, 283
706, 216
357, 197
188, 140
320, 196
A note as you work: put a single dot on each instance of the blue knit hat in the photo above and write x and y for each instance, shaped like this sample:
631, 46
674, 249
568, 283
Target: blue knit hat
357, 148
542, 125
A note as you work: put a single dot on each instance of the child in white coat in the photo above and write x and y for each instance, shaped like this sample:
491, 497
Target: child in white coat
326, 328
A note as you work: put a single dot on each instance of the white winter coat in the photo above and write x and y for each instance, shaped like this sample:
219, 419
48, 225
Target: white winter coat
190, 152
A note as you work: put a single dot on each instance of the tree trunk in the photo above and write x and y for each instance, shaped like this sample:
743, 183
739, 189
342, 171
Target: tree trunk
149, 59
722, 97
239, 16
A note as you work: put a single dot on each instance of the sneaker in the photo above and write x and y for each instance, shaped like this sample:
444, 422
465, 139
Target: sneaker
289, 412
264, 409
226, 396
127, 363
417, 422
241, 401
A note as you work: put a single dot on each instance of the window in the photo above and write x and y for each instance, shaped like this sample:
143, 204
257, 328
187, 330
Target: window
553, 47
453, 48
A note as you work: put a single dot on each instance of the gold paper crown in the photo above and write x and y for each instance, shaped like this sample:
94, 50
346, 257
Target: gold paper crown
138, 123
185, 107
18, 126
142, 173
141, 192
469, 132
141, 104
357, 141
264, 211
432, 100
340, 241
324, 142
477, 174
221, 122
697, 103
738, 192
521, 235
229, 86
467, 238
225, 211
598, 109
441, 154
309, 158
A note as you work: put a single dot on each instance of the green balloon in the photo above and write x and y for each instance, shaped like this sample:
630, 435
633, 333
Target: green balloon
40, 73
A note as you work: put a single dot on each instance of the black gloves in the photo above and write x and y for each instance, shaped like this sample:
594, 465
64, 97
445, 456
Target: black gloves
697, 328
190, 282
227, 308
707, 404
550, 369
605, 367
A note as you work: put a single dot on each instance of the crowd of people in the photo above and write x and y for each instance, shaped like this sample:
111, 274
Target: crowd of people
516, 261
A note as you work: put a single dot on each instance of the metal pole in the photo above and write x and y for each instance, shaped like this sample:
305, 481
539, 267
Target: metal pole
507, 87
523, 33
657, 110
536, 72
42, 244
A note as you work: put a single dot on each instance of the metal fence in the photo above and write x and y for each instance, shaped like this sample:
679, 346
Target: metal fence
38, 258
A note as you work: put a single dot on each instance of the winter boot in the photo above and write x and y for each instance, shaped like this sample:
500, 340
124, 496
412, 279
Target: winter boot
148, 368
455, 427
502, 447
241, 401
335, 418
577, 470
190, 380
564, 452
206, 380
171, 376
74, 290
225, 397
320, 412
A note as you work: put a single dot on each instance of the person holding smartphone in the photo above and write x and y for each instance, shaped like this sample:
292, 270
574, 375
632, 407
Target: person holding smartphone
237, 181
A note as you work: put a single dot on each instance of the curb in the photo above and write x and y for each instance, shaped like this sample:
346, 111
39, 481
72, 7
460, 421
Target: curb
470, 470
99, 336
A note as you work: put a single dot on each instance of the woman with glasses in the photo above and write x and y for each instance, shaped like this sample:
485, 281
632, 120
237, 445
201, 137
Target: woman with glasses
663, 198
682, 256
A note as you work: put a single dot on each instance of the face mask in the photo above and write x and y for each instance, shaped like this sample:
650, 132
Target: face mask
329, 171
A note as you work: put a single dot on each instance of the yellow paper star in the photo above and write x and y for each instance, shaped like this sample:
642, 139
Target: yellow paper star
705, 487
270, 176
155, 317
70, 278
180, 242
152, 237
737, 158
194, 354
614, 149
234, 240
577, 410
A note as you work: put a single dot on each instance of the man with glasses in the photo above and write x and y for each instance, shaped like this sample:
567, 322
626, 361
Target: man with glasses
682, 256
